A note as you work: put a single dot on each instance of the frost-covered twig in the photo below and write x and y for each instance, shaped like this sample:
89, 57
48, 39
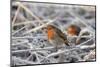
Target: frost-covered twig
20, 43
85, 42
67, 50
27, 22
90, 56
44, 37
14, 19
37, 49
18, 30
88, 46
39, 27
31, 13
38, 60
21, 23
27, 37
22, 60
60, 52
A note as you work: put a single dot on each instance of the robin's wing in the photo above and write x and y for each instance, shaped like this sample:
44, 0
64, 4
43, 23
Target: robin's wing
62, 35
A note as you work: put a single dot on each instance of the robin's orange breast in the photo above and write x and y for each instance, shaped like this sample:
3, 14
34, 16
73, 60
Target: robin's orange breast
72, 31
51, 34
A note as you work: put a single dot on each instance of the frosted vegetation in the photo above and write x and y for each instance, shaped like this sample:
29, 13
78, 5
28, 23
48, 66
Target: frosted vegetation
29, 35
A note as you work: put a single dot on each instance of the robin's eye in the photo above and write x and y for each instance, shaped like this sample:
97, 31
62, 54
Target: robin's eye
48, 28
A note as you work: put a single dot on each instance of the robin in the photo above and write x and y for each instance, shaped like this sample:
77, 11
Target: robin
56, 37
73, 30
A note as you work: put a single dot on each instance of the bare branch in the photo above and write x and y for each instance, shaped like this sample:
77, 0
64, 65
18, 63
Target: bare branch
14, 19
31, 13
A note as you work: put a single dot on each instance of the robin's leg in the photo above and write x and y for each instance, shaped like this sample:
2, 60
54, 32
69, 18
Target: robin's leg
56, 48
59, 47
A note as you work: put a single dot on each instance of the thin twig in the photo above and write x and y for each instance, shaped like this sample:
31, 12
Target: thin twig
23, 61
30, 12
27, 37
27, 22
18, 30
39, 27
20, 43
14, 19
37, 49
44, 37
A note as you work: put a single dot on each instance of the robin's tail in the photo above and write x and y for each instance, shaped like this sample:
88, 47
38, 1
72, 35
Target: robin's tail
66, 42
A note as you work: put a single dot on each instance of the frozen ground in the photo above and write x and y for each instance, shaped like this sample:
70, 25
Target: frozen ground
29, 37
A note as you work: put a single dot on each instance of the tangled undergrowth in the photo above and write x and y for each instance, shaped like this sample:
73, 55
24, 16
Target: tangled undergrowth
29, 36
